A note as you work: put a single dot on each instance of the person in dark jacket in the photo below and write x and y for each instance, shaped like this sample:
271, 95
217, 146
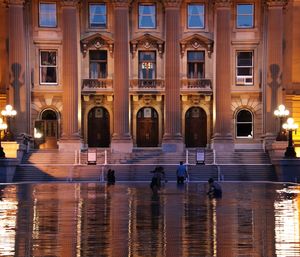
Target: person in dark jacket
215, 190
111, 179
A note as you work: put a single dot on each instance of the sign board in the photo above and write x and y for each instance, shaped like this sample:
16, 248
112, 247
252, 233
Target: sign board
92, 157
200, 156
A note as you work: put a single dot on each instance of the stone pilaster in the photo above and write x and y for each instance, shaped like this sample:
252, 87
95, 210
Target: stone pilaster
70, 137
121, 140
222, 138
3, 47
274, 66
172, 139
18, 90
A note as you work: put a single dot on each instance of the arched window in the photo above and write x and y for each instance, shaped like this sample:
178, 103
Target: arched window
244, 124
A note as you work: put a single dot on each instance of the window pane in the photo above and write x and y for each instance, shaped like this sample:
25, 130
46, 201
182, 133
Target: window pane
98, 55
244, 116
147, 17
244, 59
195, 16
48, 74
245, 9
245, 21
244, 71
244, 130
47, 15
245, 13
145, 56
97, 15
48, 58
195, 56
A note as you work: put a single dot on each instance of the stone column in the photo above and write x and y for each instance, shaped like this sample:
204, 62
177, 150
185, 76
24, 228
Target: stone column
222, 138
121, 140
274, 66
18, 90
3, 48
172, 139
70, 139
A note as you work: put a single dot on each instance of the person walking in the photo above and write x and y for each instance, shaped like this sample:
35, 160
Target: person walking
215, 190
181, 173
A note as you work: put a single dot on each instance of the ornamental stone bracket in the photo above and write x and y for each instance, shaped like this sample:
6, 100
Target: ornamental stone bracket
147, 42
69, 3
223, 3
276, 3
98, 41
196, 41
13, 2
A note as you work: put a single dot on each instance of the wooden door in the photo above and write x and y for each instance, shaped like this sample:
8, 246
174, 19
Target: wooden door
195, 127
147, 127
98, 128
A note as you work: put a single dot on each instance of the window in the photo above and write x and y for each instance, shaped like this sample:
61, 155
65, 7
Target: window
98, 64
47, 15
244, 126
48, 67
244, 68
147, 16
245, 13
195, 16
195, 62
147, 65
97, 15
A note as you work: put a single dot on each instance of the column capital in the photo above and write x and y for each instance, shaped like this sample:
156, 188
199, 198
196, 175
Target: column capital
223, 3
14, 2
3, 3
172, 3
276, 3
69, 3
120, 3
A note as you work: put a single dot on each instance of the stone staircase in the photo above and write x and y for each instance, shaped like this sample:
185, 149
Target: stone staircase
55, 165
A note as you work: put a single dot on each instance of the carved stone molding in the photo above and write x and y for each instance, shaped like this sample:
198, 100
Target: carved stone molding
97, 41
271, 3
223, 3
69, 3
172, 3
146, 42
196, 41
3, 3
14, 2
120, 3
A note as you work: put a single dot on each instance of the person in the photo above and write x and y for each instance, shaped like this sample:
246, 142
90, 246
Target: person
215, 190
181, 173
156, 181
111, 179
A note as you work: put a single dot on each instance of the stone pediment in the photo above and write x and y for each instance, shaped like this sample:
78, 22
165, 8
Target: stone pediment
147, 41
196, 41
97, 41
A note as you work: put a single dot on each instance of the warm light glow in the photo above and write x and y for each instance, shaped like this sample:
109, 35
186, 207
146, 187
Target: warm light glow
3, 125
281, 111
290, 125
9, 111
37, 134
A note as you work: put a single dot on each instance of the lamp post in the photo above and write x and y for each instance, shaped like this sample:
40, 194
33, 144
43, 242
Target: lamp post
9, 112
281, 113
3, 126
290, 126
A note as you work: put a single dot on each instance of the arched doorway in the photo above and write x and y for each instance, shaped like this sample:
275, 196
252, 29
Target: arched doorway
147, 127
48, 128
195, 127
98, 127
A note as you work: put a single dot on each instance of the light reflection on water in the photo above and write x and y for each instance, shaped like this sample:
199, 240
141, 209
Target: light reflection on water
92, 219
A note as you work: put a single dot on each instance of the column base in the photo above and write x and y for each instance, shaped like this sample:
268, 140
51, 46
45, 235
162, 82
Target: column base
278, 149
269, 140
222, 143
170, 144
69, 145
121, 145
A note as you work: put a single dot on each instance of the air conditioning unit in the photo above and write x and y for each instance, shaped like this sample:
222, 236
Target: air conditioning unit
244, 80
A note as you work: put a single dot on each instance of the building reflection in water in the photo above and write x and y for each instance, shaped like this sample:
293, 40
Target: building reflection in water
93, 219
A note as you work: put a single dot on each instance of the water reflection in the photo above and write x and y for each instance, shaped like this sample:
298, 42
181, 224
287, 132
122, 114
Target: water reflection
92, 219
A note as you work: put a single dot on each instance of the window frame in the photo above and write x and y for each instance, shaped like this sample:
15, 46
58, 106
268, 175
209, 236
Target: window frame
140, 65
39, 15
190, 4
98, 62
155, 15
198, 62
41, 66
239, 15
89, 15
247, 122
244, 76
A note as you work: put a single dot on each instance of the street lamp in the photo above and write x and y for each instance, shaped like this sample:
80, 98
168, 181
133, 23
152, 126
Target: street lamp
290, 126
3, 126
8, 113
281, 113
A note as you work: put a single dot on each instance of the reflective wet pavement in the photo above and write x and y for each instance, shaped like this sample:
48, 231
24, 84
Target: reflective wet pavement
93, 219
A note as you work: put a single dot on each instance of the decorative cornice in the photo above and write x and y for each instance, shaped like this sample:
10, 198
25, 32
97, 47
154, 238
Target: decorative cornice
3, 3
71, 3
172, 3
146, 42
222, 3
97, 41
120, 3
196, 41
272, 3
15, 2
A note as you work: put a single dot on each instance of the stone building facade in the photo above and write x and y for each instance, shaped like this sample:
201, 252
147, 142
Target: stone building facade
170, 73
